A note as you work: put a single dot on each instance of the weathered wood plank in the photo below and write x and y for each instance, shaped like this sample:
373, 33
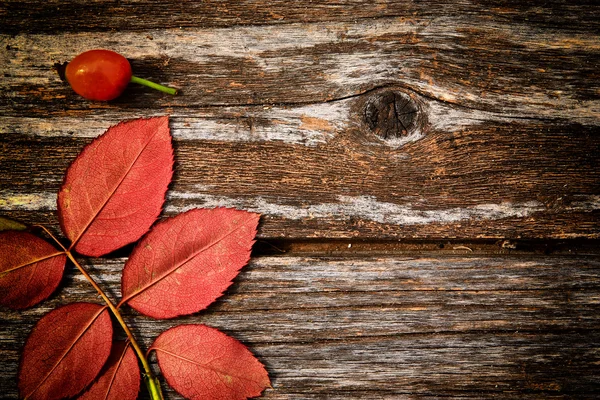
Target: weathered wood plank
507, 67
501, 140
348, 120
74, 15
385, 327
476, 183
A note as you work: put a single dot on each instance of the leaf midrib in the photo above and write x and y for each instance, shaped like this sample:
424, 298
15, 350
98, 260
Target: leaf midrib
114, 376
64, 355
204, 365
111, 194
47, 257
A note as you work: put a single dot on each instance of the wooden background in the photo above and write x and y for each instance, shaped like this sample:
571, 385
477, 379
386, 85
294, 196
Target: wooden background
427, 174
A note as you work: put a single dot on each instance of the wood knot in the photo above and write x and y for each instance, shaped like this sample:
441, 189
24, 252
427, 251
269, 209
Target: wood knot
392, 115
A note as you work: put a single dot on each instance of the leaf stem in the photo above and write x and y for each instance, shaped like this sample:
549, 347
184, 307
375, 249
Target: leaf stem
52, 236
145, 82
151, 381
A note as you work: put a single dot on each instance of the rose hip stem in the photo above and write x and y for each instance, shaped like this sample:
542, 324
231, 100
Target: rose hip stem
153, 85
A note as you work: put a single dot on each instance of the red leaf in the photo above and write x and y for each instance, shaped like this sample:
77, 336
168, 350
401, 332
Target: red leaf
186, 262
30, 269
120, 377
65, 351
202, 363
114, 191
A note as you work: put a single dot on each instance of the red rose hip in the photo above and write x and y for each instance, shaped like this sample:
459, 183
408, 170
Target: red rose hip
103, 75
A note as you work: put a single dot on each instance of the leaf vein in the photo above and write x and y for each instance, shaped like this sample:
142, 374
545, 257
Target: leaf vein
58, 253
205, 366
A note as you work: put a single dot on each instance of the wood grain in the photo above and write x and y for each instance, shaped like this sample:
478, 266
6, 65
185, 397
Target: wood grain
280, 119
74, 15
468, 184
389, 326
390, 126
509, 68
